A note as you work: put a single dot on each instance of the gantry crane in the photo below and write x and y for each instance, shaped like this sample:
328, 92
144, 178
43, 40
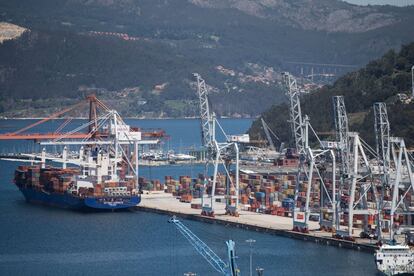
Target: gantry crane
229, 269
342, 134
401, 185
310, 163
94, 104
382, 139
318, 166
296, 118
363, 171
356, 173
218, 153
395, 173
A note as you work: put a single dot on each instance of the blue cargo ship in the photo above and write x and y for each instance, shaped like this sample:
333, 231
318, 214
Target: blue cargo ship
61, 188
103, 151
70, 201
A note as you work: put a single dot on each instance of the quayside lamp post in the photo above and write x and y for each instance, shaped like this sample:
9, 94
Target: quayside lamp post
412, 81
251, 241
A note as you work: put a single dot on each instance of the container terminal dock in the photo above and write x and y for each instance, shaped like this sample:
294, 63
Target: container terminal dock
336, 189
163, 203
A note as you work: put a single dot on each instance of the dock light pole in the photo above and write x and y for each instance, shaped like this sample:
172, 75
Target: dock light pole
136, 166
251, 241
412, 81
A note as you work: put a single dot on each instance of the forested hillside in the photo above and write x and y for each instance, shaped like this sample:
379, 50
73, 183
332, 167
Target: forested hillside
140, 78
139, 54
381, 80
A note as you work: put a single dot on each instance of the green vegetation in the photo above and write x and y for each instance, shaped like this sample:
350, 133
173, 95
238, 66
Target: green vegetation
41, 69
380, 81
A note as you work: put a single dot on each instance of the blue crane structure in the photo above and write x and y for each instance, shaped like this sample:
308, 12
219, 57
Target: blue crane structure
228, 269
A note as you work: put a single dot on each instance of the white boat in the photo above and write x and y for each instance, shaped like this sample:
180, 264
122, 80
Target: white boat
181, 157
395, 260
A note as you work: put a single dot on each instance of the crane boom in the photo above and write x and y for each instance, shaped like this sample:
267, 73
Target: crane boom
296, 118
206, 125
342, 132
218, 264
382, 135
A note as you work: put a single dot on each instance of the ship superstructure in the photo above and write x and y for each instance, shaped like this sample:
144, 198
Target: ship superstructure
395, 259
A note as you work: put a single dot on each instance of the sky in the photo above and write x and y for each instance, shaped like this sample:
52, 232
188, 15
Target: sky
382, 2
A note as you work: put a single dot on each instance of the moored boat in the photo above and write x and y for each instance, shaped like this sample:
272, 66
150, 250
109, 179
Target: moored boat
104, 160
395, 260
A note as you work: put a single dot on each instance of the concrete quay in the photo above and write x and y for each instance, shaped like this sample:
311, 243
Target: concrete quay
164, 203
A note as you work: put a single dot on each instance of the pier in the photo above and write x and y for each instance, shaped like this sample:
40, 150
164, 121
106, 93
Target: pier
165, 203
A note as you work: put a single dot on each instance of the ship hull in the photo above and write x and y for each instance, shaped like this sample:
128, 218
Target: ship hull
69, 201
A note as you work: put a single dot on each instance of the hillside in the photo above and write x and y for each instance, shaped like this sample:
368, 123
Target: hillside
140, 78
379, 81
321, 15
151, 47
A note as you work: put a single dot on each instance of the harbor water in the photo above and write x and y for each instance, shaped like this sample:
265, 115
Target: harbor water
40, 240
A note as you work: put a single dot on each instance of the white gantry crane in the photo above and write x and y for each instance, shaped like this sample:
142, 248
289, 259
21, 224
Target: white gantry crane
356, 176
296, 118
395, 174
229, 269
342, 133
382, 137
317, 180
371, 182
312, 161
382, 141
218, 153
402, 186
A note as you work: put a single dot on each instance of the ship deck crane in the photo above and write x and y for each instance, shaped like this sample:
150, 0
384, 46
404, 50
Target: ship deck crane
218, 153
229, 269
